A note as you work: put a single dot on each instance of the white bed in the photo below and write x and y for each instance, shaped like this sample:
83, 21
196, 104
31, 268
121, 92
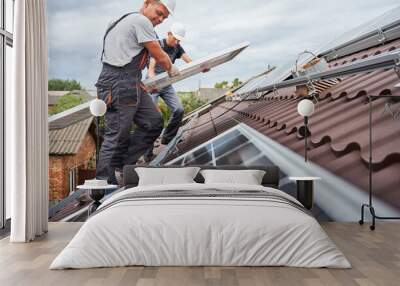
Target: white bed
207, 230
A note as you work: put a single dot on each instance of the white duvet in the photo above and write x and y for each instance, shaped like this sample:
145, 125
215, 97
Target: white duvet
205, 231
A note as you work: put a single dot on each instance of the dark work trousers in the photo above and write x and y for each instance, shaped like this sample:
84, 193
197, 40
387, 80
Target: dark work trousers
173, 102
171, 99
132, 120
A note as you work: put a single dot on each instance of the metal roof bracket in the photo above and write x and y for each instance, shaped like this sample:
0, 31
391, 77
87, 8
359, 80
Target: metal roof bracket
335, 54
388, 108
397, 70
275, 91
382, 35
258, 95
312, 90
388, 105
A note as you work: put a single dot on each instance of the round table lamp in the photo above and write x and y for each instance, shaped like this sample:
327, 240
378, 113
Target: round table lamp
306, 108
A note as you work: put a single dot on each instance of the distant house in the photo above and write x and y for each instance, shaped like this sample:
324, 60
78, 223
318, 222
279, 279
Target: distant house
209, 94
54, 96
72, 149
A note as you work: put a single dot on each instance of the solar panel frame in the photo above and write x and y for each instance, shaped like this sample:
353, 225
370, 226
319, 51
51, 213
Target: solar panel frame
162, 80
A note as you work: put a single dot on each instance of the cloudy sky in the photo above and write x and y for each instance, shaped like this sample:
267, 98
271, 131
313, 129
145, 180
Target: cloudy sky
278, 30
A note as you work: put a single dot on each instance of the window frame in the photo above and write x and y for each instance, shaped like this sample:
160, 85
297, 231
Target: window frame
6, 39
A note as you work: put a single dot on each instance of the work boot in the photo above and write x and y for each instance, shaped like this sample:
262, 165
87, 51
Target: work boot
119, 177
148, 158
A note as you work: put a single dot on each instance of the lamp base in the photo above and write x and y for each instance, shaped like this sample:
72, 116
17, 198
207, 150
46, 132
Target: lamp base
96, 195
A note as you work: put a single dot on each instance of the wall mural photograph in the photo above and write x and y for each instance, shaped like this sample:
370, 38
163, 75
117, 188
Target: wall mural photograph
199, 143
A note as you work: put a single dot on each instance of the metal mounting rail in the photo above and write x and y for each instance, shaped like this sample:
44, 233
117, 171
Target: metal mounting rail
382, 61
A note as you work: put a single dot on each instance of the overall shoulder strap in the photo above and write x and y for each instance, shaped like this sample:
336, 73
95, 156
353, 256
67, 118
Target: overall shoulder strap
112, 26
162, 43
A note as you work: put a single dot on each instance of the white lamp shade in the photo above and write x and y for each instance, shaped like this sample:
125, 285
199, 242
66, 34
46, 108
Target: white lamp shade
98, 107
305, 107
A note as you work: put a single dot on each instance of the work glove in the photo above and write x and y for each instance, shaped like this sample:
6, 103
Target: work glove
174, 71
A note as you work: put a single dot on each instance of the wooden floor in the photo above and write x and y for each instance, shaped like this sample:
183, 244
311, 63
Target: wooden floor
375, 257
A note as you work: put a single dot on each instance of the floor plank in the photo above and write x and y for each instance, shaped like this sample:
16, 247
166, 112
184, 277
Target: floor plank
375, 257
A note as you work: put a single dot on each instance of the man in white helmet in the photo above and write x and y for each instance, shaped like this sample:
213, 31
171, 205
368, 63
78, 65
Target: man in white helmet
127, 46
171, 45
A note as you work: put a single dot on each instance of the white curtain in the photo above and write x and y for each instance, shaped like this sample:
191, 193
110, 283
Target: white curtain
27, 124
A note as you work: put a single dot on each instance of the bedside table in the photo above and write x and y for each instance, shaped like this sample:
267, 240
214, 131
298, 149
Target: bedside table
96, 193
305, 190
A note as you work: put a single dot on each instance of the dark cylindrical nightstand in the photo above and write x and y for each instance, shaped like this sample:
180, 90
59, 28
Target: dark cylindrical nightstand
96, 193
305, 190
96, 196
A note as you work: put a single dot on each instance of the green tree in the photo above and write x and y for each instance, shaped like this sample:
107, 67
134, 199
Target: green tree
64, 85
189, 101
66, 102
165, 111
223, 84
236, 82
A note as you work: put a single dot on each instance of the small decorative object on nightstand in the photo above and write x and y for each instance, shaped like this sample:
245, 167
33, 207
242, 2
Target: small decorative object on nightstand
97, 190
305, 190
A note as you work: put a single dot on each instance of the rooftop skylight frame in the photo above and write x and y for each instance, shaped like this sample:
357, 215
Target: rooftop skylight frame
214, 161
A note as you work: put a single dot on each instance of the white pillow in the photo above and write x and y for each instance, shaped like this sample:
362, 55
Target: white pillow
246, 177
166, 176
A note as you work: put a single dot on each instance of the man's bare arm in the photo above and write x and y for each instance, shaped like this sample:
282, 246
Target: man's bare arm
186, 58
152, 68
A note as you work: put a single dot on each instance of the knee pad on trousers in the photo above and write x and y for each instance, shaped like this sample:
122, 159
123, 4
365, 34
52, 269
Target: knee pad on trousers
153, 125
158, 125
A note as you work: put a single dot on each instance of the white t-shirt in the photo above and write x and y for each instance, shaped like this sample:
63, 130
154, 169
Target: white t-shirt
125, 40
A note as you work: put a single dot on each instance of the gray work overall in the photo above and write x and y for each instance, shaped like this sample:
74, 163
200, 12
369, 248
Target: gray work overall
132, 120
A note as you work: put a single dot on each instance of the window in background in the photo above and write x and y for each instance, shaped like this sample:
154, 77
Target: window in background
8, 73
9, 19
2, 195
6, 42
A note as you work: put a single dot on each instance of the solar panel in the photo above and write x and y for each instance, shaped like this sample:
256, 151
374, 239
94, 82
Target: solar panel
382, 28
277, 75
195, 67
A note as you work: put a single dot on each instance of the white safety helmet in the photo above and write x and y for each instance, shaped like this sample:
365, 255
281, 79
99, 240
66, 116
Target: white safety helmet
170, 5
178, 30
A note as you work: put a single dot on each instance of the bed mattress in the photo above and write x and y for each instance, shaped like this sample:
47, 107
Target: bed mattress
201, 225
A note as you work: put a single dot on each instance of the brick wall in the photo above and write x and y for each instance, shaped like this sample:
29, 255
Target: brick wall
56, 178
59, 167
